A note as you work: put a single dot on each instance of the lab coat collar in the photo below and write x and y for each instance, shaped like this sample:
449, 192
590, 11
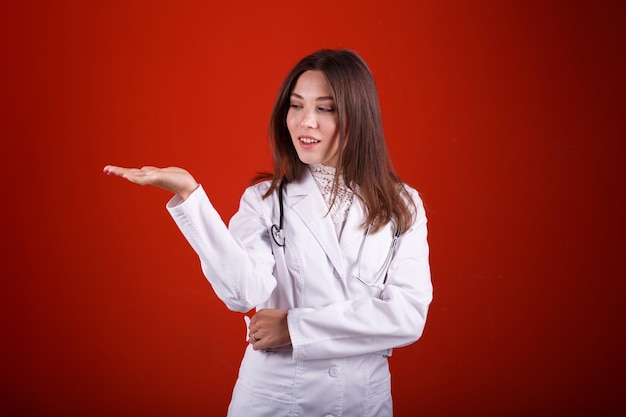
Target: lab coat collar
305, 199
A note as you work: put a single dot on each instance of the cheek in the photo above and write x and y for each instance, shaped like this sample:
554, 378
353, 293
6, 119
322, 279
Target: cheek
290, 123
332, 130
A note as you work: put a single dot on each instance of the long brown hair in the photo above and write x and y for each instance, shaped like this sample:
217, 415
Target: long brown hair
364, 159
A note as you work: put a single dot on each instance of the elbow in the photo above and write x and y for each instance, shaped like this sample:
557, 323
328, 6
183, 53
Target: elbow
416, 329
413, 323
237, 307
411, 334
233, 300
243, 301
240, 289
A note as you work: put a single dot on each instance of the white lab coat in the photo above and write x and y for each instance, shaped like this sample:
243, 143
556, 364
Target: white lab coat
342, 331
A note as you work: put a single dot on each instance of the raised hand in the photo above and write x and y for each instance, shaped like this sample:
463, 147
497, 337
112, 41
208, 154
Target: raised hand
176, 180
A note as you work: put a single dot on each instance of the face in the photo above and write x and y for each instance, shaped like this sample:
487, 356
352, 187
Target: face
312, 120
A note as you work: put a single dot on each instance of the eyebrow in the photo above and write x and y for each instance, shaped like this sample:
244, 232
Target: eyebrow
324, 98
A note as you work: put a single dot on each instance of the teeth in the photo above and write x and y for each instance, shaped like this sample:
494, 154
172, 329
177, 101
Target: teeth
308, 140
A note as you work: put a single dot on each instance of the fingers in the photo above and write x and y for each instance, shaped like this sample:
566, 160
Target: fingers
254, 335
258, 341
116, 170
112, 170
268, 328
255, 339
140, 176
120, 171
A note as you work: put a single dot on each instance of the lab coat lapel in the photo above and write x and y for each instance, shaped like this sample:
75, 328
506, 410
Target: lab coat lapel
305, 199
353, 231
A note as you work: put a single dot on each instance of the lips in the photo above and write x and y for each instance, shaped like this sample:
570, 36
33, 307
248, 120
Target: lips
308, 140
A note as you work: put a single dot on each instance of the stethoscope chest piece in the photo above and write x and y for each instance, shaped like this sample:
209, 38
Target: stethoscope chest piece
278, 235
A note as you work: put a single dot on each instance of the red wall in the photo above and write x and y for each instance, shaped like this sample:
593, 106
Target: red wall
507, 116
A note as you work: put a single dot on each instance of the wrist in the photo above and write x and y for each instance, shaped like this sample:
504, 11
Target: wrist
184, 194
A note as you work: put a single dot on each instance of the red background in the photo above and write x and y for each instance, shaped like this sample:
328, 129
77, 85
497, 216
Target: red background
508, 116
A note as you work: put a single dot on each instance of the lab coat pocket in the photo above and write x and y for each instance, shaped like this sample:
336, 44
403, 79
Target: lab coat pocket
378, 400
261, 398
265, 385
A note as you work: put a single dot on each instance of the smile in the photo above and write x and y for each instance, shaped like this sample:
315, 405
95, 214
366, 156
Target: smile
308, 140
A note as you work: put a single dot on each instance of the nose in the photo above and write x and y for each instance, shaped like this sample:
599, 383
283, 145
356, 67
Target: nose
308, 121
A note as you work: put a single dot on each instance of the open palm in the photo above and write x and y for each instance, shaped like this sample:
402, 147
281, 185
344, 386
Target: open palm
173, 179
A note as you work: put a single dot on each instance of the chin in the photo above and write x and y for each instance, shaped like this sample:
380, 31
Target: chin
309, 160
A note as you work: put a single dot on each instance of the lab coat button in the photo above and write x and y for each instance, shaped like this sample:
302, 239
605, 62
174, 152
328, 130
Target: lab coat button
334, 372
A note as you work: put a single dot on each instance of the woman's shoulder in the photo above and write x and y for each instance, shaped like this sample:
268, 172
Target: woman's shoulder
261, 186
415, 203
411, 191
257, 190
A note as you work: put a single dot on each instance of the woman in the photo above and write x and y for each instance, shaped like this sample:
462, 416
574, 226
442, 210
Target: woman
330, 250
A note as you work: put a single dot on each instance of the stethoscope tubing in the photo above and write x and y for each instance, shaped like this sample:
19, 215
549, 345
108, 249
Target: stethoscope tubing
278, 231
278, 235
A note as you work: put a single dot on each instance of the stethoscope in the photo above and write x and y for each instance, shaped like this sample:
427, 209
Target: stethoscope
382, 274
278, 234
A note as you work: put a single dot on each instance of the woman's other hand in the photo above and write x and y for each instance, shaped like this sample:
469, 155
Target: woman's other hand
269, 329
173, 179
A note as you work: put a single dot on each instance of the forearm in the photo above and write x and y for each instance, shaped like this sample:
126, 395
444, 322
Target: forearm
356, 327
240, 281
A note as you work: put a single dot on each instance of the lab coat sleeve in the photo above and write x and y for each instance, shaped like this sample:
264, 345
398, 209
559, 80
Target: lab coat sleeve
241, 281
368, 325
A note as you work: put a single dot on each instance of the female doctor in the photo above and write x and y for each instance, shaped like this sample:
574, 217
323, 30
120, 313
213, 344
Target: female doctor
330, 250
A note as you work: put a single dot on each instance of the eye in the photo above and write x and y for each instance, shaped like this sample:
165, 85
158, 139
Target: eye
295, 106
326, 109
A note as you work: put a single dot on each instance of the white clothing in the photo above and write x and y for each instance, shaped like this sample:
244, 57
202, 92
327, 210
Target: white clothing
341, 329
